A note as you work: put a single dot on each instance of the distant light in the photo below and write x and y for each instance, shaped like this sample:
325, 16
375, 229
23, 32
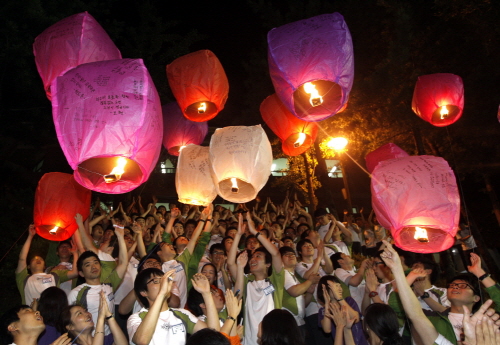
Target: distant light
337, 144
273, 167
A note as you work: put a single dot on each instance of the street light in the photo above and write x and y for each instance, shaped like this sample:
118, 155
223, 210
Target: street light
339, 144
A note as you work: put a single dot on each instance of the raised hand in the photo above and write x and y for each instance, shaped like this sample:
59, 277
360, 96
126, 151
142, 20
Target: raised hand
475, 268
32, 230
79, 219
233, 304
242, 259
201, 283
62, 340
391, 257
371, 280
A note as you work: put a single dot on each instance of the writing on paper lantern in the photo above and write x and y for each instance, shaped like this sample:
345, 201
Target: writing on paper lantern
311, 63
108, 121
71, 42
199, 85
295, 134
178, 132
416, 197
241, 159
193, 180
439, 98
58, 198
384, 152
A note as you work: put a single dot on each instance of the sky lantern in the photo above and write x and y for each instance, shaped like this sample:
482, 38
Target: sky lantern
416, 197
384, 152
311, 64
178, 132
199, 85
439, 98
71, 42
295, 134
193, 180
58, 198
241, 159
109, 123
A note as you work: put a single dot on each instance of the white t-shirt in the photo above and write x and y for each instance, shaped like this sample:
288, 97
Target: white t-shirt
354, 234
128, 281
174, 291
342, 247
291, 280
66, 286
357, 292
258, 303
323, 229
36, 284
441, 340
384, 291
301, 268
179, 278
456, 321
443, 300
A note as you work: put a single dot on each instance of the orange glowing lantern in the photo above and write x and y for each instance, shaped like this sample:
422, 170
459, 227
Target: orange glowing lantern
295, 134
58, 198
439, 98
199, 85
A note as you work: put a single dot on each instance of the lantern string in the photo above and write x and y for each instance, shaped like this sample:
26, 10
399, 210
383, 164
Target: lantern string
8, 251
90, 171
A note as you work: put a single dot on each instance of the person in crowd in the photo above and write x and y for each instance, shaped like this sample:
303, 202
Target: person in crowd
278, 328
53, 301
347, 273
22, 325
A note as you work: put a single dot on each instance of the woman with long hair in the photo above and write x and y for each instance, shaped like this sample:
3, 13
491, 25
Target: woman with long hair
278, 327
381, 325
53, 301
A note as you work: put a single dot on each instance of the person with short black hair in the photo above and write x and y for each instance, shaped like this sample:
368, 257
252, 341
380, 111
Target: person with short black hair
21, 326
278, 328
346, 271
208, 336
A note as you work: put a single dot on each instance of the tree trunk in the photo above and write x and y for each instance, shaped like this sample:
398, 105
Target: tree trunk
310, 190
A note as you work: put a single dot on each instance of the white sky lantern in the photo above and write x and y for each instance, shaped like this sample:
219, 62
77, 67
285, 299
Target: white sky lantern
241, 160
192, 179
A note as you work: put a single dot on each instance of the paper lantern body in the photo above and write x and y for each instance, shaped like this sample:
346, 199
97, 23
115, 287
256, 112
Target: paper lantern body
199, 85
71, 42
439, 98
240, 153
179, 131
383, 153
317, 50
417, 191
193, 180
106, 110
288, 127
58, 198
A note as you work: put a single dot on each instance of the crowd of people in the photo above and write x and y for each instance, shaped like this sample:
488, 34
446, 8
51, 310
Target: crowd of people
266, 274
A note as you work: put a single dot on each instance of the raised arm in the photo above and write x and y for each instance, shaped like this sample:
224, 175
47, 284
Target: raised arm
271, 248
231, 256
87, 241
23, 255
478, 271
201, 284
240, 274
123, 259
118, 336
233, 305
199, 227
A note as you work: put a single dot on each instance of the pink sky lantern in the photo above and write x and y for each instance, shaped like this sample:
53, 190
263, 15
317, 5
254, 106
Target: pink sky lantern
295, 134
199, 84
416, 197
178, 132
383, 153
58, 198
71, 42
109, 123
193, 180
311, 64
241, 159
439, 98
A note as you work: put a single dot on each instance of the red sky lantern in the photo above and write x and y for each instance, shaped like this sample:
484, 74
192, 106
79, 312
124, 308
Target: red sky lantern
71, 42
311, 64
109, 123
178, 132
58, 198
383, 153
416, 197
296, 135
199, 85
439, 98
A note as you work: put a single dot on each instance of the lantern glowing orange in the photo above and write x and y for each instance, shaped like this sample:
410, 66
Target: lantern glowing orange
416, 197
383, 153
295, 134
199, 85
439, 98
58, 198
312, 65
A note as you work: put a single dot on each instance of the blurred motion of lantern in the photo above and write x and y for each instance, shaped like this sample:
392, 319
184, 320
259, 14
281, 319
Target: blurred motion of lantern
199, 84
178, 132
383, 153
439, 98
296, 135
193, 181
71, 42
58, 198
416, 197
108, 121
311, 64
241, 159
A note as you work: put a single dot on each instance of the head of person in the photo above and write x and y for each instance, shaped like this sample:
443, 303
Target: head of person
290, 232
51, 304
382, 271
162, 209
277, 229
150, 220
152, 260
89, 265
305, 248
311, 235
264, 232
231, 231
147, 285
381, 325
75, 319
324, 282
252, 243
63, 250
180, 243
97, 232
464, 289
165, 251
179, 227
288, 242
208, 336
301, 228
321, 216
227, 242
141, 221
279, 327
108, 234
430, 267
288, 257
407, 258
341, 260
196, 303
261, 261
189, 227
36, 264
280, 220
369, 235
301, 218
20, 321
217, 253
209, 271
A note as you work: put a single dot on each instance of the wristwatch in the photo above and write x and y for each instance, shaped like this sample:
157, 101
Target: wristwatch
425, 295
373, 294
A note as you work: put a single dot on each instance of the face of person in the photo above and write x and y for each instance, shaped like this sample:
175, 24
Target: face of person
379, 268
289, 259
323, 220
258, 262
209, 272
129, 241
80, 320
37, 264
141, 222
252, 244
290, 232
151, 263
189, 230
167, 251
91, 268
153, 287
301, 229
227, 244
64, 250
231, 233
307, 249
289, 243
29, 322
459, 291
150, 221
107, 235
347, 259
179, 228
278, 230
217, 256
97, 232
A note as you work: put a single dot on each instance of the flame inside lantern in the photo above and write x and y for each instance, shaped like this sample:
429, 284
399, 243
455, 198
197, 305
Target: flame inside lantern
315, 99
202, 108
421, 235
300, 140
117, 172
234, 187
53, 231
444, 112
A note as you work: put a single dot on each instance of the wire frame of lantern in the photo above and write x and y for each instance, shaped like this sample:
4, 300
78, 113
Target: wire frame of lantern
109, 123
295, 134
439, 98
178, 132
416, 197
199, 84
383, 153
241, 160
193, 180
311, 63
68, 43
58, 198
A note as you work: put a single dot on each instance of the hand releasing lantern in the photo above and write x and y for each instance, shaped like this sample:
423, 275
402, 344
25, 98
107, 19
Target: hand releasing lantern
416, 197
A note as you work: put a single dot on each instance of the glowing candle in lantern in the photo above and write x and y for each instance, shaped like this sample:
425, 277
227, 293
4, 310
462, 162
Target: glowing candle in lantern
53, 231
202, 108
234, 187
421, 234
444, 112
316, 98
117, 171
300, 140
